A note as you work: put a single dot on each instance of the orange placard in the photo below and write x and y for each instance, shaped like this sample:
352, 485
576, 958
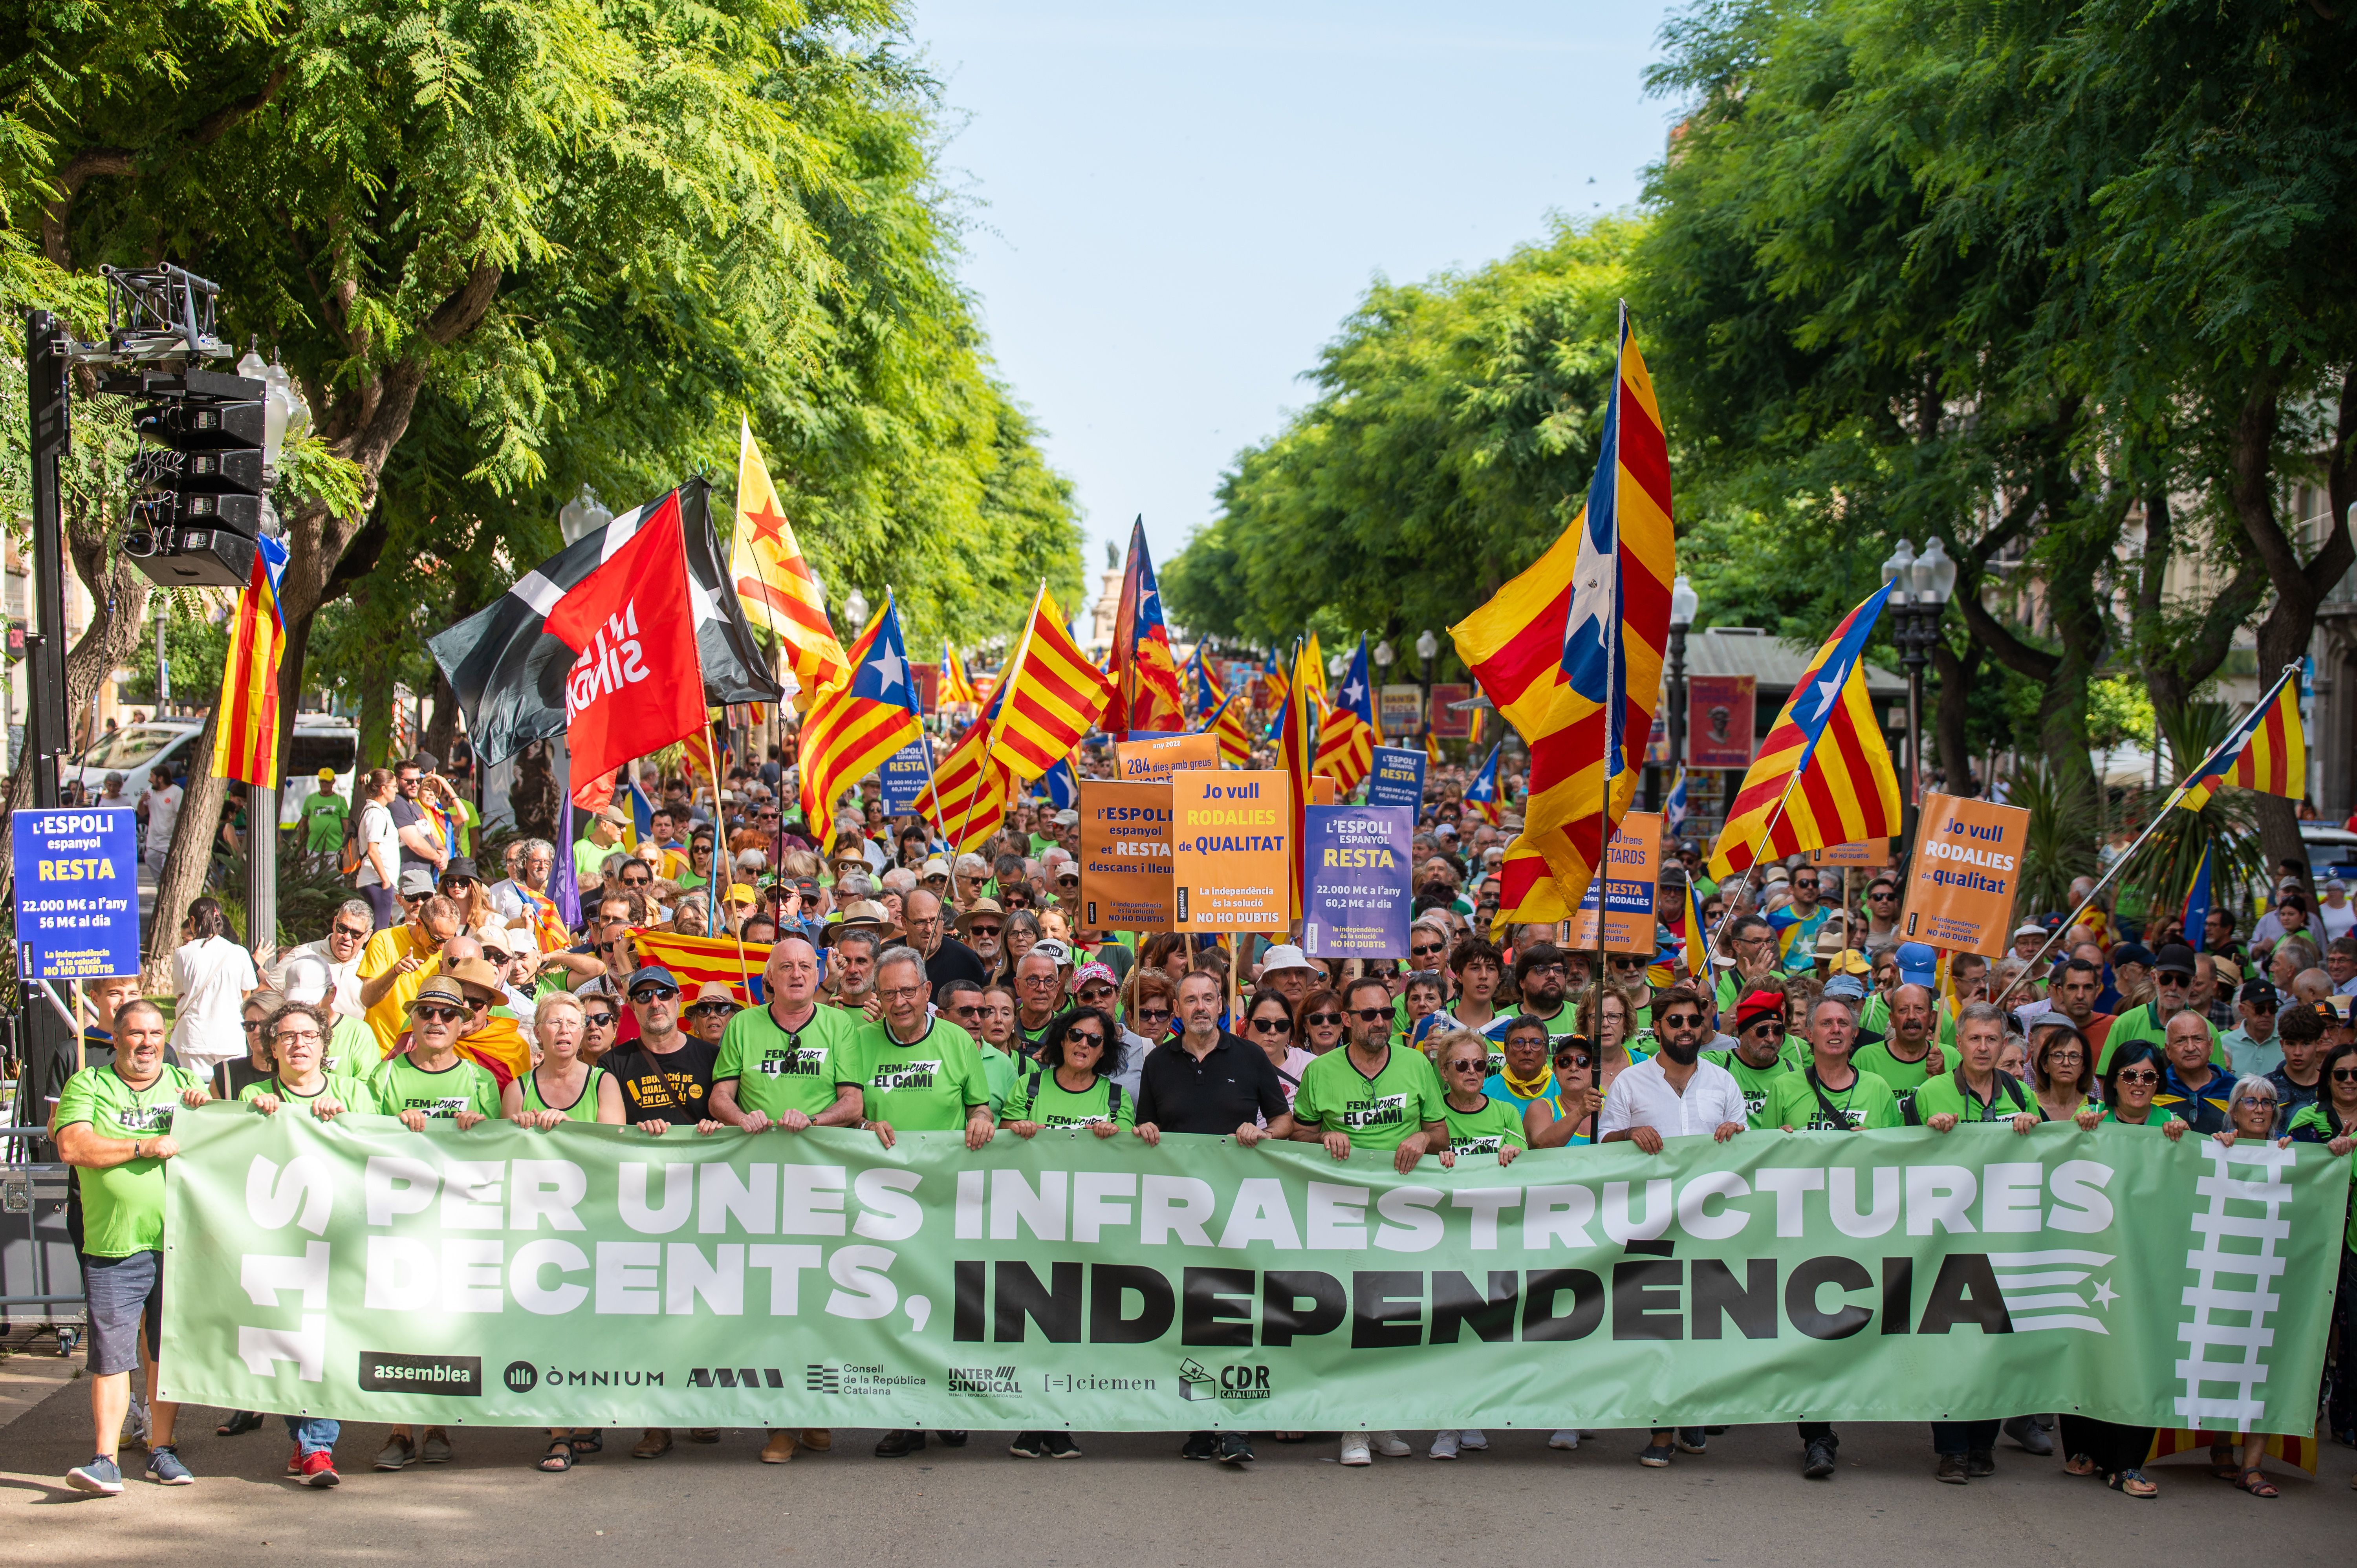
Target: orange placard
1153, 761
1231, 851
1125, 856
1963, 877
1321, 789
1633, 868
1864, 852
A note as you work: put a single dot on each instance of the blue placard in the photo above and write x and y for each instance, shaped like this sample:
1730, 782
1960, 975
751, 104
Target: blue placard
76, 893
1396, 778
1355, 898
905, 778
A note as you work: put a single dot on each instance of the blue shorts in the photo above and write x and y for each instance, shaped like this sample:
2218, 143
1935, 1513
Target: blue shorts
124, 1294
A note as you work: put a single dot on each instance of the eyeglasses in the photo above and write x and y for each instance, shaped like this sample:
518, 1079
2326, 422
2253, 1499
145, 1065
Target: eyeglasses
2137, 1075
1313, 1019
1370, 1014
1272, 1026
342, 930
296, 1037
432, 1014
1556, 968
899, 993
645, 993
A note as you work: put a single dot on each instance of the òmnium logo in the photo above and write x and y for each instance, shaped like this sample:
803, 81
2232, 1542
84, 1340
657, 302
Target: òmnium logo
521, 1376
1197, 1382
389, 1372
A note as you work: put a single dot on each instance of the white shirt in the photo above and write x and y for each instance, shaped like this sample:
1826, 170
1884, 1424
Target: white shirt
2336, 922
210, 977
345, 998
1640, 1096
376, 828
163, 811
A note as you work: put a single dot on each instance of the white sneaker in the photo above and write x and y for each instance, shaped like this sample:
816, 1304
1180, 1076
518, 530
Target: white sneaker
1389, 1445
1474, 1440
1444, 1446
1567, 1438
1354, 1449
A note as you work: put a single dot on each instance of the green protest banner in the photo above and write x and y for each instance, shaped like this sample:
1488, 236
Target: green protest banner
593, 1276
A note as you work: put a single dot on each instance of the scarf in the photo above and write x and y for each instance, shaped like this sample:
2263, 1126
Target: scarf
1537, 1087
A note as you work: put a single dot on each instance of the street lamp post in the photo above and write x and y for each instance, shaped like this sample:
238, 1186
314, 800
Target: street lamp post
1382, 656
1919, 594
1684, 604
1427, 649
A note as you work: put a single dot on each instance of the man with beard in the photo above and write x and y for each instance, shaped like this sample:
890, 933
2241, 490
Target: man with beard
1910, 1054
851, 967
1673, 1093
980, 927
946, 958
1542, 979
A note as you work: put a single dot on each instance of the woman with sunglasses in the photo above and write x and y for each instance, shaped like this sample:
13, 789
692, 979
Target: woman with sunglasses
232, 1078
1022, 934
2130, 1083
2332, 1121
1268, 1024
1067, 1090
1150, 1000
1318, 1021
600, 1020
1604, 1019
1565, 1116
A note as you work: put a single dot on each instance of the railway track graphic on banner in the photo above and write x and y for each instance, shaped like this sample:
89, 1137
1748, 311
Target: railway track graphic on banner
592, 1275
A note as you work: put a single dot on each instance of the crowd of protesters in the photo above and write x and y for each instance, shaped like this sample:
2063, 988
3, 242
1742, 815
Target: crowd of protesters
441, 993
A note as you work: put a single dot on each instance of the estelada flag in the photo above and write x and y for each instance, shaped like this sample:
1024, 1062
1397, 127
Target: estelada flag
1347, 733
245, 730
635, 686
1145, 675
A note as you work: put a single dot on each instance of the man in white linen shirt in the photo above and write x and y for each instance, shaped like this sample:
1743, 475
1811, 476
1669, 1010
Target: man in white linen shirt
1674, 1094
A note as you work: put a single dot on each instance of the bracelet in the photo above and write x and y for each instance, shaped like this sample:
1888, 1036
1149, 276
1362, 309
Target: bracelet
134, 1150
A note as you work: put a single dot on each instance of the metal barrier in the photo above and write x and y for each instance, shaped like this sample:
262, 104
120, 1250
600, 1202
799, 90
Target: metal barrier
38, 1261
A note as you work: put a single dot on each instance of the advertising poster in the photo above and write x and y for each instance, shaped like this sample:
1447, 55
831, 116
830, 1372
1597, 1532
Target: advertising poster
1151, 759
1721, 709
1633, 868
1231, 851
1965, 874
76, 892
1401, 708
1125, 856
905, 776
1397, 778
1355, 873
1446, 723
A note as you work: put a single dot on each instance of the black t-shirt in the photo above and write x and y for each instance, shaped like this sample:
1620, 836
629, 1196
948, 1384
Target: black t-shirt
406, 814
1233, 1084
230, 1078
674, 1086
954, 961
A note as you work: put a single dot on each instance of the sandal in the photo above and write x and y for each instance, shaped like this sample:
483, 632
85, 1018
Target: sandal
2132, 1483
239, 1423
559, 1458
2255, 1484
2080, 1464
2224, 1465
588, 1443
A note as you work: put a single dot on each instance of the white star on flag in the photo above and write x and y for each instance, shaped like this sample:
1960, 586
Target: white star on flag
1354, 691
888, 665
1829, 692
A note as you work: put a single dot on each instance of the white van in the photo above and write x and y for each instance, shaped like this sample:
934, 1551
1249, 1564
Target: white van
320, 740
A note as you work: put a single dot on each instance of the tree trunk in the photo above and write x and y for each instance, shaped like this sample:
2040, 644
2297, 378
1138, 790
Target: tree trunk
191, 857
443, 729
1957, 675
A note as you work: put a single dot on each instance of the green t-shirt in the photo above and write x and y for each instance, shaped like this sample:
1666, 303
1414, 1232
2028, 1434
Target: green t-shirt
122, 1206
1562, 1025
401, 1085
1755, 1081
1378, 1113
355, 1094
997, 1071
777, 1071
2310, 1119
927, 1087
1904, 1078
324, 812
1874, 1018
1038, 1097
2138, 1024
1498, 1123
584, 1105
1941, 1096
352, 1050
589, 857
469, 821
1792, 1102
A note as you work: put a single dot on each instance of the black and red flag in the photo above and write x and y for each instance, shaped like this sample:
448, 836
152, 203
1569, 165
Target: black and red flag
606, 637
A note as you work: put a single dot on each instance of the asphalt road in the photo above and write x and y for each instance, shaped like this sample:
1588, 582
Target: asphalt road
1129, 1499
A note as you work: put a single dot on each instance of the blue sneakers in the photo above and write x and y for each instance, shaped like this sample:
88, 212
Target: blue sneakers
164, 1467
102, 1475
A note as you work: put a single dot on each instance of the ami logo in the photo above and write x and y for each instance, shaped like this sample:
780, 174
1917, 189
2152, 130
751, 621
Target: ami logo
736, 1378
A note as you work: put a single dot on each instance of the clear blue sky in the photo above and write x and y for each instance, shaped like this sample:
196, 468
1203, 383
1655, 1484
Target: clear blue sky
1171, 208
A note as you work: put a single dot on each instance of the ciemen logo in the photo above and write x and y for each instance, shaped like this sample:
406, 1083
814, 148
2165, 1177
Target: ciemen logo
612, 661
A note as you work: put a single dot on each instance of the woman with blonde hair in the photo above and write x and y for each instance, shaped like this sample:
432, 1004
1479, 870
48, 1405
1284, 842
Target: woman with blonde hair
1604, 1019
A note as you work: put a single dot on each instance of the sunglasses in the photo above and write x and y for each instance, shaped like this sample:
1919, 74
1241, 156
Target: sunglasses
712, 1010
1084, 1038
1762, 1026
1096, 995
358, 935
1418, 949
437, 1014
2133, 1075
984, 930
1471, 1064
1629, 965
2344, 1075
1370, 1014
1313, 1019
250, 1026
1263, 1025
598, 1020
1569, 1060
654, 993
638, 880
968, 1010
1681, 1020
1144, 1013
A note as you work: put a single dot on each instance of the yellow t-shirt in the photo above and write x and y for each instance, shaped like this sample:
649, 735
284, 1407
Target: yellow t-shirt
385, 951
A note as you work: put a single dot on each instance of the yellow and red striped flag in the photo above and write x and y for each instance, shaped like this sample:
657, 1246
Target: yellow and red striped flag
1272, 687
1296, 748
968, 797
1571, 653
1235, 738
1347, 733
956, 685
693, 960
1823, 761
2266, 752
1054, 695
857, 721
245, 725
774, 583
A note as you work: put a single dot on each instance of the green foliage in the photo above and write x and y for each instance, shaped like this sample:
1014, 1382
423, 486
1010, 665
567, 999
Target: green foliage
1457, 424
2059, 844
2120, 710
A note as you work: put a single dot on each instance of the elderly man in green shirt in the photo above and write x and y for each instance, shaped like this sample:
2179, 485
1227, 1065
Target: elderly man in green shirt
114, 1124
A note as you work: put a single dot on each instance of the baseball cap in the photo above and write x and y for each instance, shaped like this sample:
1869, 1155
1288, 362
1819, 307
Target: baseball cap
1285, 955
935, 867
1093, 971
1845, 987
326, 775
1067, 817
739, 894
614, 816
2132, 953
2260, 993
1847, 961
1919, 963
416, 882
2029, 928
495, 938
650, 974
2174, 958
1053, 949
304, 977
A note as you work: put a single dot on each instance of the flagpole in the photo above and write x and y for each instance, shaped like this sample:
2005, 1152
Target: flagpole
1711, 952
999, 694
724, 862
2158, 817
